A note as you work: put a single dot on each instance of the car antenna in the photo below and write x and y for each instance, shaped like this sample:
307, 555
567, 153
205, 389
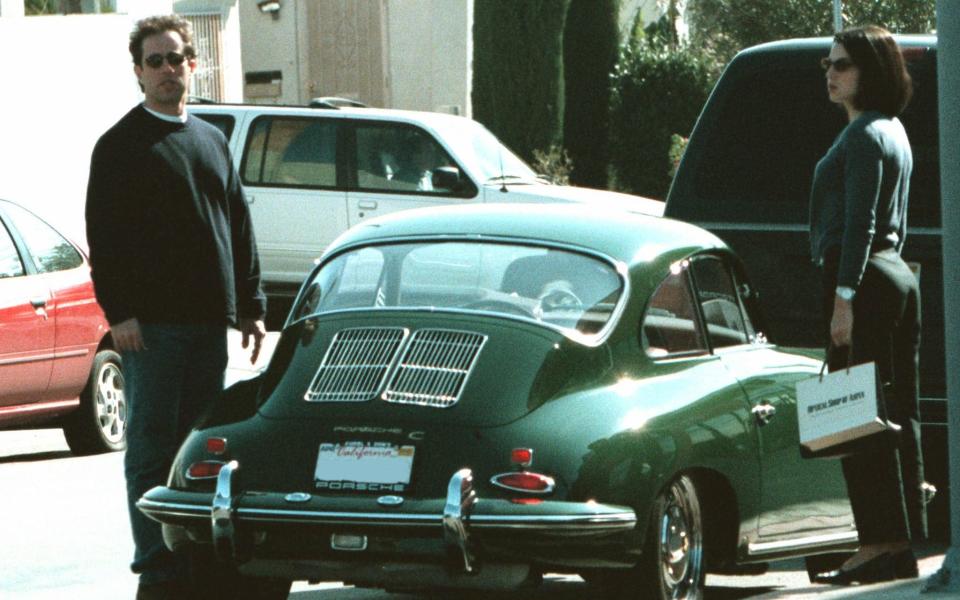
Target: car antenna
503, 178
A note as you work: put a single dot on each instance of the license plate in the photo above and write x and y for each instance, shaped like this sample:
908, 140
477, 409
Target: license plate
363, 467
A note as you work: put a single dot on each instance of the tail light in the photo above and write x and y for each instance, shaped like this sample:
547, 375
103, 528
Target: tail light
524, 481
205, 469
217, 445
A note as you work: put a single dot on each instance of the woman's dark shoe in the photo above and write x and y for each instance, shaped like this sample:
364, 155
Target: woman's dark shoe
878, 568
905, 564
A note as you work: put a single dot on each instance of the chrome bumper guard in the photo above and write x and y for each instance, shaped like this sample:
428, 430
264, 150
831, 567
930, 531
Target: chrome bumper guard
456, 521
221, 514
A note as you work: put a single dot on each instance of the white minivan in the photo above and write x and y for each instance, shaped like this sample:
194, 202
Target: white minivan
311, 173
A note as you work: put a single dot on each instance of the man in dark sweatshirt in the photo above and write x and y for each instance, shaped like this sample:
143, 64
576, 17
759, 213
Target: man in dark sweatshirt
174, 263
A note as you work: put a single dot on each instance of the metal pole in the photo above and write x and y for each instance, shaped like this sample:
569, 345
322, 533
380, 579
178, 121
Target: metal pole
947, 579
837, 16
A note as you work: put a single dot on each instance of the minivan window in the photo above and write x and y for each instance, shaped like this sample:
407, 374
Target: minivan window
291, 152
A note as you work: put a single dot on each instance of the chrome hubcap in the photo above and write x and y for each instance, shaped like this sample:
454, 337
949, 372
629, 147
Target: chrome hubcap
680, 545
111, 407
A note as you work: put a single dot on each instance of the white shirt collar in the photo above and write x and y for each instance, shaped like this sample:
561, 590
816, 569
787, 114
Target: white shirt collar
169, 118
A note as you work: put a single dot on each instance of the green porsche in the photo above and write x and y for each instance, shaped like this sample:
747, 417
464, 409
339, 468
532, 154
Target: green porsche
469, 397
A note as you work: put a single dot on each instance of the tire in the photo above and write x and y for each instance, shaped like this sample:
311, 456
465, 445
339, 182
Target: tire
672, 564
100, 422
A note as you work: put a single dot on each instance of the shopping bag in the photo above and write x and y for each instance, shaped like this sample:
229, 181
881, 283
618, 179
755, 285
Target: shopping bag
843, 412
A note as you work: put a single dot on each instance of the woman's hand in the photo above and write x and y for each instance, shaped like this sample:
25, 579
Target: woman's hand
841, 325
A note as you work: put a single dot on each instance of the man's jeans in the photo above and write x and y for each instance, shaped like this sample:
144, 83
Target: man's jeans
167, 386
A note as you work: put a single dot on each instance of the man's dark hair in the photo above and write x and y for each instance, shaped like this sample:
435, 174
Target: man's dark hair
884, 84
160, 24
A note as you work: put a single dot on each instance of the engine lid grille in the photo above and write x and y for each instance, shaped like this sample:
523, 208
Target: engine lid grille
356, 364
434, 367
428, 368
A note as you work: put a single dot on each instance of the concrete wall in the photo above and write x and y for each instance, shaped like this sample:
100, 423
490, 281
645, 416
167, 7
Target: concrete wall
430, 51
270, 44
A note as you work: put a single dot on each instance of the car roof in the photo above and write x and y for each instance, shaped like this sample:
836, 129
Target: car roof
821, 44
628, 237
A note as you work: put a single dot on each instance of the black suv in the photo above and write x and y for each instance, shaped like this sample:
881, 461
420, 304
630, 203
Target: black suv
746, 176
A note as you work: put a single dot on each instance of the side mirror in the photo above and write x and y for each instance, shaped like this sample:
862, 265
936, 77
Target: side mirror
446, 178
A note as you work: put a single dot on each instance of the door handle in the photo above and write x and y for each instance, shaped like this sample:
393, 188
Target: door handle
38, 302
251, 199
764, 412
368, 204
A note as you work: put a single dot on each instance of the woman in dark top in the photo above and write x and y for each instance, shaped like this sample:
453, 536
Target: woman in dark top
858, 223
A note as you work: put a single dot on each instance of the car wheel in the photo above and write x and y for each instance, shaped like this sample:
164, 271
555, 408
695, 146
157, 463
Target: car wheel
671, 567
672, 564
100, 422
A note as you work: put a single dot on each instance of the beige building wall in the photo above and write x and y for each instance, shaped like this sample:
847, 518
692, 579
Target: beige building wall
390, 53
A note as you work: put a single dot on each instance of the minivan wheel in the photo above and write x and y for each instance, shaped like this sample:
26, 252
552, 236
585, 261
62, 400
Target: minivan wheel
100, 422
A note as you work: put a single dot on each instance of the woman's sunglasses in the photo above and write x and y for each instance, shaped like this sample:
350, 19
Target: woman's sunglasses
840, 65
155, 61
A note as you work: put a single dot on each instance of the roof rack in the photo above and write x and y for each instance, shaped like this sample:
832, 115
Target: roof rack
335, 102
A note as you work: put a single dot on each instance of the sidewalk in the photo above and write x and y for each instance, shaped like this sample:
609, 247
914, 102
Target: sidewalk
930, 559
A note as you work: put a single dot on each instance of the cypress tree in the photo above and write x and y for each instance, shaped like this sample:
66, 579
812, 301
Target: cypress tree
590, 46
518, 71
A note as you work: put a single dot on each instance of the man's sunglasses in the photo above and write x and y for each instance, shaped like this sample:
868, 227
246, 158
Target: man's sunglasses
840, 65
155, 61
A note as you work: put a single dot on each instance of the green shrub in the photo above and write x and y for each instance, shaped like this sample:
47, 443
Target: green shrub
657, 92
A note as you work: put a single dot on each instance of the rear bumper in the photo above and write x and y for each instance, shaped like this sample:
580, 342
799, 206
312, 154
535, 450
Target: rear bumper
295, 535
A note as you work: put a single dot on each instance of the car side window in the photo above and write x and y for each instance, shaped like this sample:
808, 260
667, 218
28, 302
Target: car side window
291, 152
670, 326
10, 263
50, 250
718, 299
224, 123
398, 159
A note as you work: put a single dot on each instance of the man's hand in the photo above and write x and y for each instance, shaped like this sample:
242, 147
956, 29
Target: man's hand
127, 336
255, 328
841, 325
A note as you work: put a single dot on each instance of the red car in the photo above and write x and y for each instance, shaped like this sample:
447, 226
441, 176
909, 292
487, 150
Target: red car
57, 366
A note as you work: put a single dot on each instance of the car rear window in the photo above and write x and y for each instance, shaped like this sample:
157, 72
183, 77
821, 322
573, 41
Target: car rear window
574, 292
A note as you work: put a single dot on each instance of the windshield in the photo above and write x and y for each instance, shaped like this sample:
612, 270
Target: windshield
490, 159
566, 290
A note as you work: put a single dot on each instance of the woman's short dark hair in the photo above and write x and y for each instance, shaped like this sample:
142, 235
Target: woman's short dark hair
884, 84
160, 24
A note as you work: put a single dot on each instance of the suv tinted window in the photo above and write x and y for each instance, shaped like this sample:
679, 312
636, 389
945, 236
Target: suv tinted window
291, 152
774, 126
397, 158
771, 126
224, 123
50, 251
10, 265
